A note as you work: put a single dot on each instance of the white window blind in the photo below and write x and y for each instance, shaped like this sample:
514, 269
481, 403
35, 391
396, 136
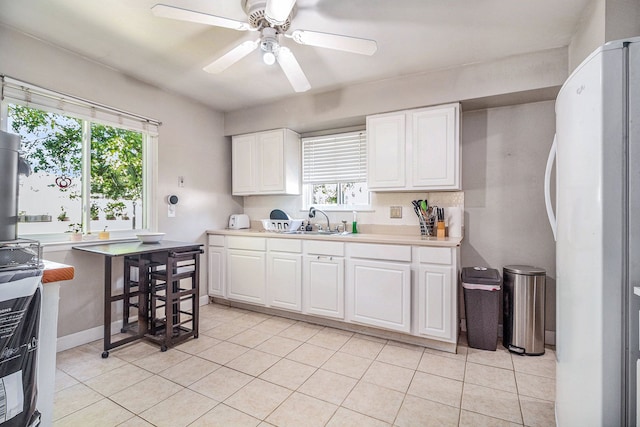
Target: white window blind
27, 94
335, 158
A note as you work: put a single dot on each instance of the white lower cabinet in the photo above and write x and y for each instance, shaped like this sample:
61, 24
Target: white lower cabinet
379, 294
379, 285
284, 274
401, 288
323, 279
437, 294
246, 268
245, 274
216, 271
216, 266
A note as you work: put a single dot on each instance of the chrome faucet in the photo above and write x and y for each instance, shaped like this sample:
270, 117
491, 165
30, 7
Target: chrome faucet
312, 214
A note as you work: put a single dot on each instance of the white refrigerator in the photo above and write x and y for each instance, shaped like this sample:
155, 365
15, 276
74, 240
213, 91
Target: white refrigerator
597, 229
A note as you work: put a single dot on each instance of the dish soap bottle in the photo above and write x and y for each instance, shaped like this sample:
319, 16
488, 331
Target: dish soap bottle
354, 224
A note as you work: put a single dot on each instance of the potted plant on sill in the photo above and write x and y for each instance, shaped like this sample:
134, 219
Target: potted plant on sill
94, 211
114, 210
76, 232
62, 216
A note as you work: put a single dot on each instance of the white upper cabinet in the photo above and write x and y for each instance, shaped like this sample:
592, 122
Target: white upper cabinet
386, 141
266, 163
243, 164
414, 150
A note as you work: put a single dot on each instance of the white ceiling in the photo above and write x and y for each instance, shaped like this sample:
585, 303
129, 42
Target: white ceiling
413, 36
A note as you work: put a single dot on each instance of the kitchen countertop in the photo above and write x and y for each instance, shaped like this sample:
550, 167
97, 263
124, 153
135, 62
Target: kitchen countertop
56, 272
415, 240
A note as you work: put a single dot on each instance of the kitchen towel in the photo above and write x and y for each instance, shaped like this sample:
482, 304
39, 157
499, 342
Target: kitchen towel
454, 218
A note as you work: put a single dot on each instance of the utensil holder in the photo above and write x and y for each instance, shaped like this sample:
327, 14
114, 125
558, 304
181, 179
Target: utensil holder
427, 226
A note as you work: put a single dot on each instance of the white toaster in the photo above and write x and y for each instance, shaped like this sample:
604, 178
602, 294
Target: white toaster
238, 221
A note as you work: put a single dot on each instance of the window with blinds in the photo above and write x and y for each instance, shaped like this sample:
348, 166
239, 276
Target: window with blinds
334, 170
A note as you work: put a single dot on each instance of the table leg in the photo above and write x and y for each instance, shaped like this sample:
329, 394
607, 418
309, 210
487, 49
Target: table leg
107, 307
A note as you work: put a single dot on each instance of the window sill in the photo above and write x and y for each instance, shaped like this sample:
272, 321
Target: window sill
68, 245
62, 241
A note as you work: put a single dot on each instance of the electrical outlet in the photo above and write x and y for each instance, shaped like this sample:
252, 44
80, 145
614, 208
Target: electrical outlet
395, 212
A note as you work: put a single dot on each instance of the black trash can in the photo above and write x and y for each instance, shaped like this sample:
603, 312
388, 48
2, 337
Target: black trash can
481, 287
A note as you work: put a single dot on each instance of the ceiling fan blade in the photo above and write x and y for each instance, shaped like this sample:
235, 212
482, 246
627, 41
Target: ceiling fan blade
334, 41
231, 57
172, 12
277, 11
292, 70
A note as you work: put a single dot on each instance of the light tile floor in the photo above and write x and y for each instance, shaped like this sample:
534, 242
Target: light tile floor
251, 369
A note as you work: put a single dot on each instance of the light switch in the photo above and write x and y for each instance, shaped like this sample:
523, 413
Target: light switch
395, 212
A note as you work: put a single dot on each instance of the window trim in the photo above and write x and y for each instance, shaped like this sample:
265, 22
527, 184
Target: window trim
21, 93
309, 179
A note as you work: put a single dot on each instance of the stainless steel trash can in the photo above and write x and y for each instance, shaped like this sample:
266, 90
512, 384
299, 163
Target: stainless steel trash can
523, 309
481, 288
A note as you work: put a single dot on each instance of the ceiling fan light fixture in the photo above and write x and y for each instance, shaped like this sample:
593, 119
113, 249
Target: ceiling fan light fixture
269, 58
269, 45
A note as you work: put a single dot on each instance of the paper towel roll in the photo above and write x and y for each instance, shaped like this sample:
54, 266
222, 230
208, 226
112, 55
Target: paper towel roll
454, 218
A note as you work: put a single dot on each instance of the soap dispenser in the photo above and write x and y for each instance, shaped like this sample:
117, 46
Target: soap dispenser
354, 224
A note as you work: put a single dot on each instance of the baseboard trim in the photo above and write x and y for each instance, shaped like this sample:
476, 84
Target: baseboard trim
89, 335
204, 300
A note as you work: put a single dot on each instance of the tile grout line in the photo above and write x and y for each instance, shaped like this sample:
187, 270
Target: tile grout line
333, 350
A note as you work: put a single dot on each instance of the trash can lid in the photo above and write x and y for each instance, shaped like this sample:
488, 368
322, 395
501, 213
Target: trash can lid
525, 269
480, 276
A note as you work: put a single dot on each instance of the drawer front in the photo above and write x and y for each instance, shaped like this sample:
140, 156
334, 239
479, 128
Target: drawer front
247, 243
216, 240
324, 248
285, 245
435, 255
381, 252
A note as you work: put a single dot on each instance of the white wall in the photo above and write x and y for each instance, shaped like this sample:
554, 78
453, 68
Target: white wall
506, 79
603, 21
504, 154
191, 144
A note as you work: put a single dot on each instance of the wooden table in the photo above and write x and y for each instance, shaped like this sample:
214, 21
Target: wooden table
142, 254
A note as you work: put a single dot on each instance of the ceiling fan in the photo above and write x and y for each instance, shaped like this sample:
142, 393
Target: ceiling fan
272, 19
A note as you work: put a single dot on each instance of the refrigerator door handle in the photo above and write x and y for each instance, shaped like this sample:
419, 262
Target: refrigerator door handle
547, 187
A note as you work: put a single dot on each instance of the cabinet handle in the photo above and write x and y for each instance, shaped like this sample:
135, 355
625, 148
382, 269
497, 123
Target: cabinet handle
318, 256
330, 258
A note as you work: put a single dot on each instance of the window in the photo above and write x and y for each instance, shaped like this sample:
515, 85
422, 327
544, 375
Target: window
334, 170
90, 164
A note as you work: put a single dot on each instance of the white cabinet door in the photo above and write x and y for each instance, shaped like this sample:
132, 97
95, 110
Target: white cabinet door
434, 138
386, 134
284, 277
244, 163
436, 302
379, 294
216, 271
266, 163
414, 150
270, 145
246, 276
323, 286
